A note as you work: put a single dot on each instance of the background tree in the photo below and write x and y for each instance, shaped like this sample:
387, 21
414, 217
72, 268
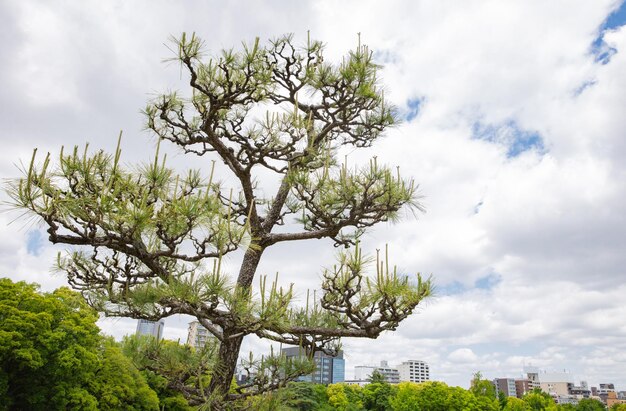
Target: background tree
539, 400
435, 396
590, 404
376, 396
151, 241
172, 369
485, 392
516, 404
52, 356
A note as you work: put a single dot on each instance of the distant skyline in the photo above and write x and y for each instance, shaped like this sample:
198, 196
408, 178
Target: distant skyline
514, 128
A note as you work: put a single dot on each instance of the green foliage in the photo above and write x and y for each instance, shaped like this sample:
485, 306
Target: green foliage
590, 404
539, 400
52, 356
516, 404
303, 396
376, 396
437, 396
618, 407
337, 397
485, 393
118, 385
502, 399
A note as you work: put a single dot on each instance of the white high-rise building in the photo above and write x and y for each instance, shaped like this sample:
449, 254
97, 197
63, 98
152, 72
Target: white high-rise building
364, 372
197, 335
154, 328
414, 371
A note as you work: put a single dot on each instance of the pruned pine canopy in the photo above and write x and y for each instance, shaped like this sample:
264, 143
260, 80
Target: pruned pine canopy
150, 241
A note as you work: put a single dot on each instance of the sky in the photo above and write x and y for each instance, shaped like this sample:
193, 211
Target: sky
514, 127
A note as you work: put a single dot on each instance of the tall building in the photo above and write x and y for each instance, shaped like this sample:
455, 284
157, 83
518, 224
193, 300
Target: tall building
532, 374
329, 370
154, 328
197, 335
505, 385
414, 371
556, 383
364, 372
522, 387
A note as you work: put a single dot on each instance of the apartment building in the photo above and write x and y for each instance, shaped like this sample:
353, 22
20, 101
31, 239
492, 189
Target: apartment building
414, 371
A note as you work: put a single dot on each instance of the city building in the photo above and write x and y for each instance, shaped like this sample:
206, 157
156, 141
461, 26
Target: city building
363, 373
532, 374
414, 371
197, 335
505, 385
329, 370
522, 387
604, 390
556, 383
153, 328
581, 391
612, 398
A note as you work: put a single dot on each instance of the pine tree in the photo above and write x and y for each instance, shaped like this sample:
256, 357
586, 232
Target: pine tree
148, 242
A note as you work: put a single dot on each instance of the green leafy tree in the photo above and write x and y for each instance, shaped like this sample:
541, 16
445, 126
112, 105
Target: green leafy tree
305, 396
174, 368
539, 400
377, 377
618, 407
118, 385
516, 404
344, 397
502, 399
376, 396
590, 404
52, 356
485, 393
433, 396
147, 242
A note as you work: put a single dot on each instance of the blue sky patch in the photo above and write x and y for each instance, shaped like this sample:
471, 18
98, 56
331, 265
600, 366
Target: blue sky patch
452, 288
413, 108
488, 282
616, 19
34, 243
599, 48
510, 135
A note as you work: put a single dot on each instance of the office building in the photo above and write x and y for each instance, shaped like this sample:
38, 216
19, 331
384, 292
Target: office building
153, 328
329, 370
414, 371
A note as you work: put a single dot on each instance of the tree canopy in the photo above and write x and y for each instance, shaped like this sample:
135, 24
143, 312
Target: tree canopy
148, 242
53, 357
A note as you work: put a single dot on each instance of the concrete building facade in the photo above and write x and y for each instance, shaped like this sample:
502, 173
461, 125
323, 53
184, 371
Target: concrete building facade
197, 335
505, 385
414, 371
364, 372
522, 387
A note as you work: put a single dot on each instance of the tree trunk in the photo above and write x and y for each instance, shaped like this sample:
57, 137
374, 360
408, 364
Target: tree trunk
226, 361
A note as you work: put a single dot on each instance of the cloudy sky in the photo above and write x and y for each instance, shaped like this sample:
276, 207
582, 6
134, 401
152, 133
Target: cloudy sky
515, 128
